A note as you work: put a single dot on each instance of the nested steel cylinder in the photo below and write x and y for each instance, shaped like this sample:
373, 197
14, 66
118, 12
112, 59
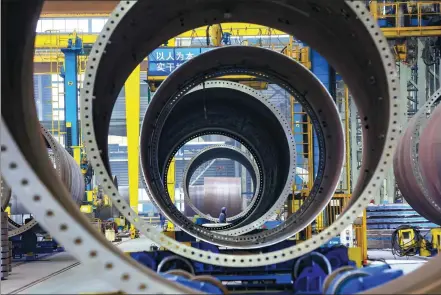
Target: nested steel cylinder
167, 109
344, 33
225, 108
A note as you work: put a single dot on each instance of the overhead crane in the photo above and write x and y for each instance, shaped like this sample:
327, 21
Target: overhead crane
397, 20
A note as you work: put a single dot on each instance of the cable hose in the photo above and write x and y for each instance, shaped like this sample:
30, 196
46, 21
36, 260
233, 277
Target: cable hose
411, 247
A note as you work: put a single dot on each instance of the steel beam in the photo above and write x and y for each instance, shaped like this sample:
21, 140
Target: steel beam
132, 89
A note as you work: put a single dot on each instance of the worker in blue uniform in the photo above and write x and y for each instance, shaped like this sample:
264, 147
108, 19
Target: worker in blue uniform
223, 215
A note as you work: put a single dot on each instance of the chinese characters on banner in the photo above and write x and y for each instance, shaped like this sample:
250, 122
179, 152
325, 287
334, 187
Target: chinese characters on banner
163, 61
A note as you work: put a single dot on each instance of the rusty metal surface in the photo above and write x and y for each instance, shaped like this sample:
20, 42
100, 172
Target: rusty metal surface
417, 180
430, 155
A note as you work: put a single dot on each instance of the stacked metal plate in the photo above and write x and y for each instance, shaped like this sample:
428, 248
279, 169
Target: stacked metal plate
382, 220
4, 246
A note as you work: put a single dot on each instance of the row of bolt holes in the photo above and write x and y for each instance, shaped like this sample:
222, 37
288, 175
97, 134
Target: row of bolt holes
63, 227
366, 128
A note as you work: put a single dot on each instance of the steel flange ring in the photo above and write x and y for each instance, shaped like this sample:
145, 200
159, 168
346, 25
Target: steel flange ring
356, 48
216, 152
318, 104
67, 170
276, 158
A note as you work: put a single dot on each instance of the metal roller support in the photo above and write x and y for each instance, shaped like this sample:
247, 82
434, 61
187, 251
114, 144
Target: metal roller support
407, 166
225, 152
346, 43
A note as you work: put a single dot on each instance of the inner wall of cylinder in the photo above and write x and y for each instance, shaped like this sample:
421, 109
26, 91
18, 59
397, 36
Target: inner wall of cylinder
224, 152
237, 113
219, 153
259, 169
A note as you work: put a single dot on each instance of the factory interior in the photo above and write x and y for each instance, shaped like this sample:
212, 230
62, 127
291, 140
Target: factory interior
220, 147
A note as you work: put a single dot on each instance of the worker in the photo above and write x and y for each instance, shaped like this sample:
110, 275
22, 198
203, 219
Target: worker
223, 215
29, 240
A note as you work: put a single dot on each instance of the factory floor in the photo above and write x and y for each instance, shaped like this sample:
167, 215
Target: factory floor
60, 273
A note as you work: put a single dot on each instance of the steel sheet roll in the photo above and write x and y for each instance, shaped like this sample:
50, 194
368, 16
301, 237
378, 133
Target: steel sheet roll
225, 152
346, 43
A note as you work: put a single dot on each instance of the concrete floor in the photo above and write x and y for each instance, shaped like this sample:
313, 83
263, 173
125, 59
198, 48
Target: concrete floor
60, 273
406, 264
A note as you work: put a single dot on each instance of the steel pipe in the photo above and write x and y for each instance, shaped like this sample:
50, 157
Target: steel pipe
26, 169
430, 155
413, 180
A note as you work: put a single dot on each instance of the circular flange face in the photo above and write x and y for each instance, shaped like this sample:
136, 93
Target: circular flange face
359, 54
229, 61
216, 152
66, 169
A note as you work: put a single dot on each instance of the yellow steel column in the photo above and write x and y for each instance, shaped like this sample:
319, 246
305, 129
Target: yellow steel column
373, 7
171, 187
347, 139
132, 91
364, 237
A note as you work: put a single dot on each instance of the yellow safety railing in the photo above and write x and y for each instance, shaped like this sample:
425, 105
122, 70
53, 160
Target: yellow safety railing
399, 16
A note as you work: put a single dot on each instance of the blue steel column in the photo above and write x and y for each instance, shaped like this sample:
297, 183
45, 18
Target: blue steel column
71, 91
